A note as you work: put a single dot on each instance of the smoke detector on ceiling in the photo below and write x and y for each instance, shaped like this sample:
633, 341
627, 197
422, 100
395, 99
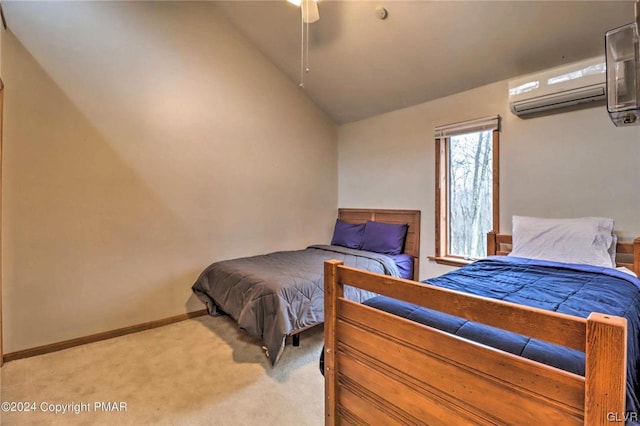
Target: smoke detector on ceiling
381, 12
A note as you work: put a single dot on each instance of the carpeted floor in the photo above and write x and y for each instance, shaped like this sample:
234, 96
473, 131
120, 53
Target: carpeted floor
203, 371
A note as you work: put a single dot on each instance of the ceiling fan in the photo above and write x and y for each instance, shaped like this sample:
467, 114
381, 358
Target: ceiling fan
309, 10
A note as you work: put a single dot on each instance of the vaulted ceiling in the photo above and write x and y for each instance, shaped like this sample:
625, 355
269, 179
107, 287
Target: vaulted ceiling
360, 65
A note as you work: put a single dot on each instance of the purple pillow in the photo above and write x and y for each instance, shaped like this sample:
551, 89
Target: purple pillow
348, 234
385, 238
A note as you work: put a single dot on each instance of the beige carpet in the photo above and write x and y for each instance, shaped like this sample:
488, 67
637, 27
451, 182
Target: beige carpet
203, 371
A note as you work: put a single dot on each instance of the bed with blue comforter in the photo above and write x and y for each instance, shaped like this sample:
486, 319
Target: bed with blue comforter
566, 288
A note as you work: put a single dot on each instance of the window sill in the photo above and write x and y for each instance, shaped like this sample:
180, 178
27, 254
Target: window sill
451, 261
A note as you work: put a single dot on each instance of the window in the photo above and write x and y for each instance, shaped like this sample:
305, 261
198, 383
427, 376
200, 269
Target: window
466, 189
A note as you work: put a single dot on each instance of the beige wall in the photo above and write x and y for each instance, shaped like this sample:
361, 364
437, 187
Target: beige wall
564, 165
144, 141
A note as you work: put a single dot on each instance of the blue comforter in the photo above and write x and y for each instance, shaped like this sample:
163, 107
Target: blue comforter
567, 288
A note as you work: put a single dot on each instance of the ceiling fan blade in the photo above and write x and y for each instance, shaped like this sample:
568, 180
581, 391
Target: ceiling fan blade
309, 10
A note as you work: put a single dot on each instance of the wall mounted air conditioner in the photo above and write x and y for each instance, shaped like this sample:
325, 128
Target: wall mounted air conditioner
568, 85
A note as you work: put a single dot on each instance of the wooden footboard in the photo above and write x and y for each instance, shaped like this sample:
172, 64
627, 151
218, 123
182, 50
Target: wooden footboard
383, 369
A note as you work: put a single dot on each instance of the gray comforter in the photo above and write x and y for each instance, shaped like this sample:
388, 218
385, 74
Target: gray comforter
273, 295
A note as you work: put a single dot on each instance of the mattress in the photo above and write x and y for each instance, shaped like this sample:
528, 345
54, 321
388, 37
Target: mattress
276, 294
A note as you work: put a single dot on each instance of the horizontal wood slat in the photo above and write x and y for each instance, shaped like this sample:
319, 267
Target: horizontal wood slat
553, 327
359, 413
380, 393
547, 381
453, 366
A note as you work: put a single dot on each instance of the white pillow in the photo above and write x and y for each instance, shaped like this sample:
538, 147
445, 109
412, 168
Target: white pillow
612, 249
584, 240
626, 271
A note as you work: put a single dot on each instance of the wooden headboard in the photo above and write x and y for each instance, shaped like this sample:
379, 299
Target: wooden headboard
501, 244
410, 217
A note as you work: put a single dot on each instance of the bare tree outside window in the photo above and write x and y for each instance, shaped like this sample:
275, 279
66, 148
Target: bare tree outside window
467, 193
470, 193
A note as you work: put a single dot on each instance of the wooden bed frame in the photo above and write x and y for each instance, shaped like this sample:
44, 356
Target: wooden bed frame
411, 245
383, 369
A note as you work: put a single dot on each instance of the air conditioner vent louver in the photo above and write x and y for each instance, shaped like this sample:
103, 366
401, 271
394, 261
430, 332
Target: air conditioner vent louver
561, 100
569, 85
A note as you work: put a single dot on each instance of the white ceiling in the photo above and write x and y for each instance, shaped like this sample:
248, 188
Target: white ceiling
361, 66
